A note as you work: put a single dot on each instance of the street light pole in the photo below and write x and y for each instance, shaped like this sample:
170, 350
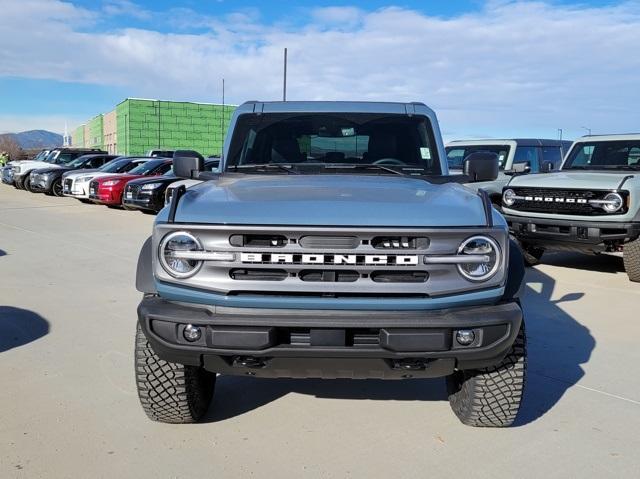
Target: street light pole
588, 129
560, 134
284, 86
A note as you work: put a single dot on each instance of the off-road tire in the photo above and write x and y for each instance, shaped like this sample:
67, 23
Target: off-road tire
170, 392
631, 258
18, 184
490, 397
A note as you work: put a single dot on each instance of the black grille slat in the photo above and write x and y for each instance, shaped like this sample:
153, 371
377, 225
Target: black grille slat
546, 200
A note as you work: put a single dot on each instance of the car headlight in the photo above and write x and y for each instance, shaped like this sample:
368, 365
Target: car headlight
509, 197
612, 202
484, 254
151, 186
111, 182
171, 247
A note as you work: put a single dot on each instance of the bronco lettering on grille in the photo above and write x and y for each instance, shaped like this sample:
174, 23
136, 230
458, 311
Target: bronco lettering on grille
335, 259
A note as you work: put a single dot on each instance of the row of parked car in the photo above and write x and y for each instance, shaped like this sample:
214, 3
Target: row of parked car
590, 203
94, 176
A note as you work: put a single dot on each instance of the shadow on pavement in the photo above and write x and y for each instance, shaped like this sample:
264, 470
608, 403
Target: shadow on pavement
557, 345
3, 253
601, 263
19, 327
236, 395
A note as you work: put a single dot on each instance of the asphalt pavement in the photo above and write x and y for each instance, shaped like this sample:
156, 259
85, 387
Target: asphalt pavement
68, 403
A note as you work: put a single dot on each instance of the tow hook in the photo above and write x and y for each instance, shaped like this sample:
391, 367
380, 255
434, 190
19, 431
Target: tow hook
248, 362
411, 364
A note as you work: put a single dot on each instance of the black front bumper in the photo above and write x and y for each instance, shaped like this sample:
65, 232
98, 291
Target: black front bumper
330, 344
151, 202
571, 235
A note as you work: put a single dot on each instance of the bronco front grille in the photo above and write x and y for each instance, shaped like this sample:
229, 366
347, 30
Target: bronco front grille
337, 262
559, 201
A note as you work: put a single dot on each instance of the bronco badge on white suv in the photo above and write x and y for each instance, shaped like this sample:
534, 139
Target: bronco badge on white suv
592, 204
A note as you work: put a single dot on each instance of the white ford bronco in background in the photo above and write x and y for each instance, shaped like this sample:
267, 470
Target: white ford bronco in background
592, 204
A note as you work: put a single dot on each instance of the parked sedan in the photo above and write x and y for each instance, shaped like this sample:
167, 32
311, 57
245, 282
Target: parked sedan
148, 194
108, 190
76, 184
49, 180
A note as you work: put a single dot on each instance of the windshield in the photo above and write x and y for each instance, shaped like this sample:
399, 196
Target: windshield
457, 154
169, 173
322, 141
65, 158
604, 155
146, 167
80, 161
52, 156
115, 166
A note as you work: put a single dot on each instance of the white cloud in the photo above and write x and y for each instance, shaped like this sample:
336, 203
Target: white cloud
514, 67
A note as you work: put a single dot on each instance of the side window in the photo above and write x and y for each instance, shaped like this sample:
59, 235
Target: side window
162, 169
552, 154
96, 162
529, 156
634, 156
455, 157
130, 166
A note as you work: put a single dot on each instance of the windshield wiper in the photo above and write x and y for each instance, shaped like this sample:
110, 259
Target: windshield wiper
364, 167
266, 166
604, 167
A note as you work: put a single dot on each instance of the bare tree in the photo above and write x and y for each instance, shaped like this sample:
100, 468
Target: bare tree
10, 147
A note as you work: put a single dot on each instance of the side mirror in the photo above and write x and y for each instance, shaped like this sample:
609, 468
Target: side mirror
518, 169
547, 167
187, 164
481, 166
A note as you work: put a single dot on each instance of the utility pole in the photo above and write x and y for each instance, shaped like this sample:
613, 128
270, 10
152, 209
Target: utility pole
284, 86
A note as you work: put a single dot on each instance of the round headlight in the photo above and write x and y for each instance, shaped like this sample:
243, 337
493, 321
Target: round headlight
176, 242
613, 202
485, 260
509, 197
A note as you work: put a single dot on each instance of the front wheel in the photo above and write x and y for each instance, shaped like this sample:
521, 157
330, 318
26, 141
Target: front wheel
26, 184
56, 187
170, 392
491, 397
631, 258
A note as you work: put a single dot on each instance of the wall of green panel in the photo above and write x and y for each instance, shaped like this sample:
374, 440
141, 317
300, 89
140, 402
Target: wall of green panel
77, 137
143, 125
96, 139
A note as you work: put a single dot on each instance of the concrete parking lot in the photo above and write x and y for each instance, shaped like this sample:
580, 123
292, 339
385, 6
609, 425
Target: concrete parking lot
68, 404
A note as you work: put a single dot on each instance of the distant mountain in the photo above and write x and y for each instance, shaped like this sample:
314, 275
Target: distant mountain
36, 139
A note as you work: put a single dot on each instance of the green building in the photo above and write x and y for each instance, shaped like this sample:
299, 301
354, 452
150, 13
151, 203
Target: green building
137, 125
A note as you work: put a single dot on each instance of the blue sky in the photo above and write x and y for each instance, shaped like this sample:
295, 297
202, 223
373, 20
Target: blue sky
488, 68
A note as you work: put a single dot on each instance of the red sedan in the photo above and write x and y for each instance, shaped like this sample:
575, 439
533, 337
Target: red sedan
107, 190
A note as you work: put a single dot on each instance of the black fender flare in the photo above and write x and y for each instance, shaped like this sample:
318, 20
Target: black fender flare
144, 272
515, 272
